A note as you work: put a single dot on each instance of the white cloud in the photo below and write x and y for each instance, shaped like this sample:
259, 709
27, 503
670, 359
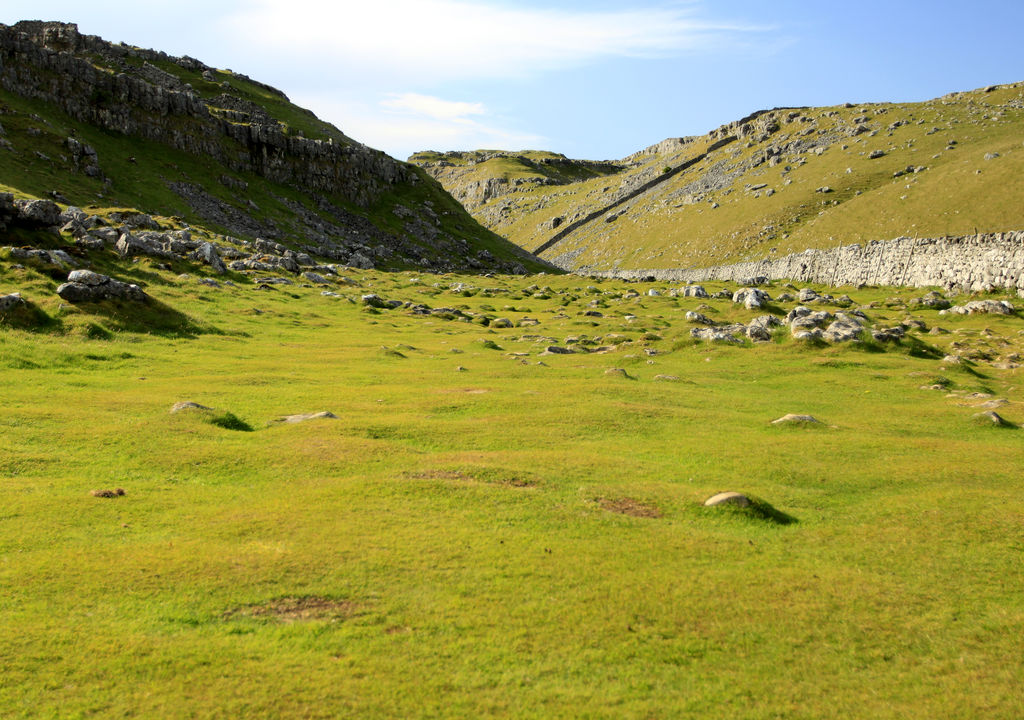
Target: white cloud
406, 123
432, 107
441, 40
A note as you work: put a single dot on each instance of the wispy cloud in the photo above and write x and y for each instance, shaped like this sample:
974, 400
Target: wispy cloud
442, 40
433, 107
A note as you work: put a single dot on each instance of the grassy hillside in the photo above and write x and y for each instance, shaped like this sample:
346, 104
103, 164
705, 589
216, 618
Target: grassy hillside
793, 179
488, 529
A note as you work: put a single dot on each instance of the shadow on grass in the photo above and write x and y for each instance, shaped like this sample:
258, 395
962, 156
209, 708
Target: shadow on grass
151, 317
28, 316
758, 510
229, 421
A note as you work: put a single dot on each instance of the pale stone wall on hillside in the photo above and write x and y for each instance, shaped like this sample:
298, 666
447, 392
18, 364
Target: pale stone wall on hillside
973, 263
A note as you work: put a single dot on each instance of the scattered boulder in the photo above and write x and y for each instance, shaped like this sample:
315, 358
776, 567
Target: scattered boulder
41, 213
751, 298
315, 278
358, 260
932, 299
699, 318
696, 291
557, 350
893, 334
843, 330
375, 301
207, 253
760, 328
981, 307
89, 286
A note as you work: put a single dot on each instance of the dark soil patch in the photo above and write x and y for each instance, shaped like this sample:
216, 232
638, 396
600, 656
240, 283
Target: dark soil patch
299, 609
629, 506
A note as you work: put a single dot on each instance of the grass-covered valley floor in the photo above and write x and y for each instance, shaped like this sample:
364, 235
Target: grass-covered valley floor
486, 530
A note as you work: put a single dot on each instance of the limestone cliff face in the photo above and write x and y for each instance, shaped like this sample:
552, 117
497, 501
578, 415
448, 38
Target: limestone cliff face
55, 63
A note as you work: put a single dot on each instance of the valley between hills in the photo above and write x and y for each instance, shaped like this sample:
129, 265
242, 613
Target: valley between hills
293, 429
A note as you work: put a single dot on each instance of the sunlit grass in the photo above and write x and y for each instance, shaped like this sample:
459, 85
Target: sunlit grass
523, 537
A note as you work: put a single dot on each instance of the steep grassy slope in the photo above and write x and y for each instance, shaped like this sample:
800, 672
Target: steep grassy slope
100, 126
792, 179
491, 529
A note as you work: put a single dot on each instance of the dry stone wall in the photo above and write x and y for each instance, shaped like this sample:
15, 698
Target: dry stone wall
974, 263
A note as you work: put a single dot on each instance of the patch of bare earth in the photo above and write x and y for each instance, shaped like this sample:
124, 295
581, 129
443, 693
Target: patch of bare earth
629, 506
490, 476
299, 609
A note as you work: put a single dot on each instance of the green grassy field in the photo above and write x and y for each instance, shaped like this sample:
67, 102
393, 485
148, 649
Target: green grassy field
486, 531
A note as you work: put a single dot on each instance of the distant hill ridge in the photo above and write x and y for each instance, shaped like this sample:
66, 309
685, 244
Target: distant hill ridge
119, 125
773, 183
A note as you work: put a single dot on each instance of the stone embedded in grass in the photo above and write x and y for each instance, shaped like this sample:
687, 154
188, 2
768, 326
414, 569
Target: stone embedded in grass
557, 350
375, 301
117, 492
893, 334
728, 498
793, 419
718, 334
13, 300
993, 418
189, 405
315, 278
292, 419
616, 371
667, 378
981, 307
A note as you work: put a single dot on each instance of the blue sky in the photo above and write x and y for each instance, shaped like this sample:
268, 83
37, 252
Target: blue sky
596, 80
